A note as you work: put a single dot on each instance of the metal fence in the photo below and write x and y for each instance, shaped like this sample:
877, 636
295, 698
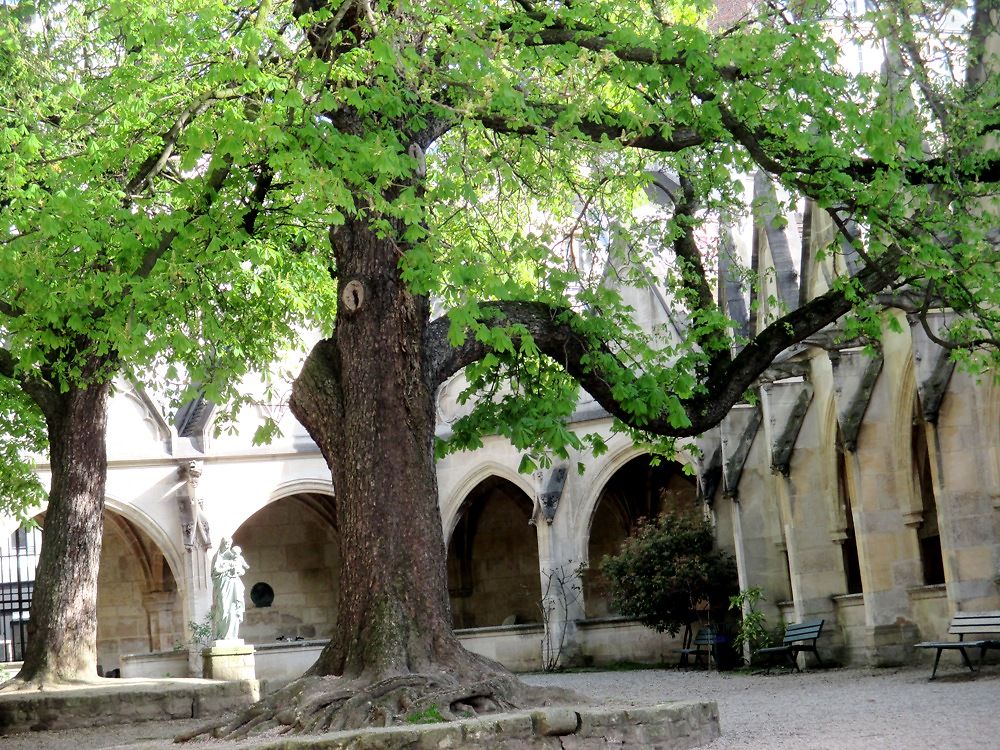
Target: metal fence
18, 561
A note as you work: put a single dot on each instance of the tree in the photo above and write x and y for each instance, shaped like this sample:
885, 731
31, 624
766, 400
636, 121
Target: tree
116, 260
665, 568
485, 157
483, 154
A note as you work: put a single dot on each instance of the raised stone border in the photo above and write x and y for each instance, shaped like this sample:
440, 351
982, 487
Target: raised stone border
122, 701
670, 726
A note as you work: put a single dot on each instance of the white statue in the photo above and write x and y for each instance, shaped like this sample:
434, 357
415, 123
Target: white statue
228, 590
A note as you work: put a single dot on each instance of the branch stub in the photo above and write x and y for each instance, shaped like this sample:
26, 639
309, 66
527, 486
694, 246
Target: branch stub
352, 296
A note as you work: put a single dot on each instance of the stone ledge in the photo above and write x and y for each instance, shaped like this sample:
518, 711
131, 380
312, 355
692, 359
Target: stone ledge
670, 726
121, 701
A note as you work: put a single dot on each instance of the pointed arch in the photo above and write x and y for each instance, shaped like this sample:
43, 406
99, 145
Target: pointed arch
493, 560
451, 508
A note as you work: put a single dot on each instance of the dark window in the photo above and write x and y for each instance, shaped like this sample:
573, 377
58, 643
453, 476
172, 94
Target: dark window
849, 547
929, 534
261, 594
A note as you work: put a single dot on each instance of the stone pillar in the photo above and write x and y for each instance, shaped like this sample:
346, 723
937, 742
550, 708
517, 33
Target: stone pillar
230, 661
875, 414
561, 586
197, 574
753, 511
805, 487
963, 448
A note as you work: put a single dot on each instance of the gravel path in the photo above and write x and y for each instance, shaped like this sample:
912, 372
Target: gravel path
831, 710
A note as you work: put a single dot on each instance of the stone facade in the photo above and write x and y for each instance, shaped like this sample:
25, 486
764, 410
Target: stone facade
861, 485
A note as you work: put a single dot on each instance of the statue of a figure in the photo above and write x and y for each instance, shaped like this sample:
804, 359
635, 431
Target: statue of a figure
227, 590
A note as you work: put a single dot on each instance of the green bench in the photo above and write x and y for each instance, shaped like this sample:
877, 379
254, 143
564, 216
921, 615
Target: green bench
799, 637
963, 624
702, 647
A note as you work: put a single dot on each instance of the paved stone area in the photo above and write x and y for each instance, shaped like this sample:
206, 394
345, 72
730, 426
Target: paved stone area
823, 710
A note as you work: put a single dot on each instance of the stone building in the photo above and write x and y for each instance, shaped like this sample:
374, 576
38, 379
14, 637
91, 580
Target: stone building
862, 486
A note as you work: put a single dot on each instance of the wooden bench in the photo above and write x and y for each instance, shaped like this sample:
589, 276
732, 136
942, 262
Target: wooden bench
701, 647
793, 643
963, 624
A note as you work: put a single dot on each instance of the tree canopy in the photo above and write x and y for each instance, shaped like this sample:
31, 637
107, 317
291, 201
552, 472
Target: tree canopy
172, 169
186, 180
132, 242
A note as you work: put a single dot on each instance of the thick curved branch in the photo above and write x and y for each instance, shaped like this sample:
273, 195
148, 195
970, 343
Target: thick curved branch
156, 161
595, 128
553, 332
216, 179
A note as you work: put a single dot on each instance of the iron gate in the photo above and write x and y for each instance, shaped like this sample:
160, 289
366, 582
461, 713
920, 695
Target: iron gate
18, 561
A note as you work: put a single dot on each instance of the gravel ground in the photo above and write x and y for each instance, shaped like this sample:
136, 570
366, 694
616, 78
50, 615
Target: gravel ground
829, 710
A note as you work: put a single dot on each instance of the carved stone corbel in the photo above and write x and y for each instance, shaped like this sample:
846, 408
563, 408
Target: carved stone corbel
787, 404
738, 431
548, 498
194, 525
934, 366
855, 372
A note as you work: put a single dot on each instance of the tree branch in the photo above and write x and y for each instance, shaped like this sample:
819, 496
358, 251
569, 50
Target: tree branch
43, 394
553, 331
214, 184
597, 129
155, 163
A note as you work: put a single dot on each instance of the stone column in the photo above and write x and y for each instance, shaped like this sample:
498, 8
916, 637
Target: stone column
803, 487
963, 447
561, 587
875, 414
197, 575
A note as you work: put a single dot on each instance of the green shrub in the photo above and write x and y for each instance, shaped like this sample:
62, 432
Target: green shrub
752, 633
666, 568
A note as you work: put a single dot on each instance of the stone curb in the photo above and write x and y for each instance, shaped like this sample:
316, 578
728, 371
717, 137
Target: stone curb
669, 726
122, 702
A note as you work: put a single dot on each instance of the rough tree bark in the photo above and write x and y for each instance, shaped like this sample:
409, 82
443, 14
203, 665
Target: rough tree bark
62, 633
369, 409
365, 399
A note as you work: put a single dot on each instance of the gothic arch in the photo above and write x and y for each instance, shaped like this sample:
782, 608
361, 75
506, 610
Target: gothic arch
608, 469
451, 509
634, 490
301, 486
293, 548
163, 541
493, 560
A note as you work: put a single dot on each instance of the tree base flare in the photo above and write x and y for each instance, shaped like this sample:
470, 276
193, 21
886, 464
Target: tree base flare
314, 705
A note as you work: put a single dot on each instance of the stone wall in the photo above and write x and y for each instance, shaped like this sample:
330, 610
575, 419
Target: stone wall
137, 603
295, 551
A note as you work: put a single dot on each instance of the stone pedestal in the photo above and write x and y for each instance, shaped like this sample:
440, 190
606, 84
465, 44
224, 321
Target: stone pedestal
229, 660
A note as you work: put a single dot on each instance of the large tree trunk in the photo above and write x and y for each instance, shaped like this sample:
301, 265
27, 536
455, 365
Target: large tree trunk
62, 632
363, 399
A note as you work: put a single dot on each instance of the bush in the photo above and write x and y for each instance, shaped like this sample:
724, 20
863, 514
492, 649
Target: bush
666, 568
752, 633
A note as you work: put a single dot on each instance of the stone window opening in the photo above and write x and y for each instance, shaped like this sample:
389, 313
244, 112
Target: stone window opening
928, 531
849, 544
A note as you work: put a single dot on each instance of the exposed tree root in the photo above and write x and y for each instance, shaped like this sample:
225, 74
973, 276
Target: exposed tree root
313, 705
